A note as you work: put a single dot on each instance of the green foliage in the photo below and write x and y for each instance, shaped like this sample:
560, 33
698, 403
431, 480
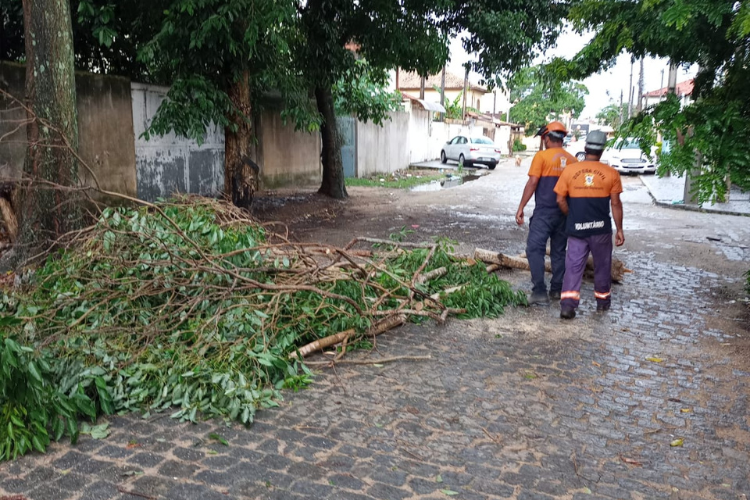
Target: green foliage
34, 408
188, 306
613, 115
361, 92
537, 100
710, 33
518, 145
454, 108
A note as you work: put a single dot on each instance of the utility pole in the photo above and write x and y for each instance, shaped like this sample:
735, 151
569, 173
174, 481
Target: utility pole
661, 83
630, 88
672, 80
421, 88
621, 110
640, 89
442, 91
672, 89
466, 84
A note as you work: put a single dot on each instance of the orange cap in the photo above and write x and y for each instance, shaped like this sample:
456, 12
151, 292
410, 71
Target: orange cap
552, 127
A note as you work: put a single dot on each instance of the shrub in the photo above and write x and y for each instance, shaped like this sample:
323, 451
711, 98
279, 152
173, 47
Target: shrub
518, 145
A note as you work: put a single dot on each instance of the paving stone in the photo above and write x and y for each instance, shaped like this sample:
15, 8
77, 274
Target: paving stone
100, 491
188, 491
173, 469
49, 492
380, 490
146, 459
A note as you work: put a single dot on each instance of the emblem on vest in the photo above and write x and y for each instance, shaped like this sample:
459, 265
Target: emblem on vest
589, 180
563, 162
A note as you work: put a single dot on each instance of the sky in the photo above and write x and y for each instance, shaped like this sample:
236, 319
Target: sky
604, 88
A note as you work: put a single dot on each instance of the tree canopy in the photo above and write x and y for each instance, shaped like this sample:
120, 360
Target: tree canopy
613, 115
537, 101
713, 34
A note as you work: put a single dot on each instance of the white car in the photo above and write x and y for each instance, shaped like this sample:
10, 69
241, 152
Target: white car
576, 148
626, 157
471, 150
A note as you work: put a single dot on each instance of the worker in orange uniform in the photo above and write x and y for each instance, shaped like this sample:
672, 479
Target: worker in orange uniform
548, 222
584, 193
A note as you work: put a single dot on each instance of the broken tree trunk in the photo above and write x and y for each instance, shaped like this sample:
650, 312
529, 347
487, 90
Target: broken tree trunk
383, 326
9, 217
500, 259
618, 267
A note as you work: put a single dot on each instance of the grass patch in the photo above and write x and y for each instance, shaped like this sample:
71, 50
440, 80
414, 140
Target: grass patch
398, 180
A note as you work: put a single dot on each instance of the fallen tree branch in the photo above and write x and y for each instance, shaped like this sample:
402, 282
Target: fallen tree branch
368, 361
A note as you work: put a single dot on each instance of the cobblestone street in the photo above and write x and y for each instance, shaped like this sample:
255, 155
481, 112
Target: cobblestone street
648, 401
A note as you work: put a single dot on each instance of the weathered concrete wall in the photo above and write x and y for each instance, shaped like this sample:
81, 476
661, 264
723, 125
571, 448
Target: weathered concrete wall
105, 128
171, 164
286, 156
383, 149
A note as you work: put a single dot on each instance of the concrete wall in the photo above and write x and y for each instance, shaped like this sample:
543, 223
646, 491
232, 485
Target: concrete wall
286, 156
383, 149
105, 128
170, 164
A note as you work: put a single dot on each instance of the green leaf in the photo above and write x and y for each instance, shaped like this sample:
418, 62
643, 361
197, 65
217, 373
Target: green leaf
450, 493
218, 438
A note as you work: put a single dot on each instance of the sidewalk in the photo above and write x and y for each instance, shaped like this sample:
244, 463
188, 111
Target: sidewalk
669, 192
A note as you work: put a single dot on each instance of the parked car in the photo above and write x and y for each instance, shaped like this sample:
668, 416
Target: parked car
626, 157
471, 151
576, 148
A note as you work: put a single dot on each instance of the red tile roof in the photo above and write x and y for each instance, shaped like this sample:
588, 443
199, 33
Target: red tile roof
411, 81
682, 89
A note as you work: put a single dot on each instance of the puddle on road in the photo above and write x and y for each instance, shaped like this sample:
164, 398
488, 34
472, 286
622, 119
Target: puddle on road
449, 182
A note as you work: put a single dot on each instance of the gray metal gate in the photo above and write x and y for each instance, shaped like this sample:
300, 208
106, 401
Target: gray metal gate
347, 126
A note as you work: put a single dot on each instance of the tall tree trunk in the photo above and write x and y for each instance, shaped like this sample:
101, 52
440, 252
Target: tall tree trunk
333, 168
240, 172
47, 213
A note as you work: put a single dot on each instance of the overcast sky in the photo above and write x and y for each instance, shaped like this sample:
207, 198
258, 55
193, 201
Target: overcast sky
604, 88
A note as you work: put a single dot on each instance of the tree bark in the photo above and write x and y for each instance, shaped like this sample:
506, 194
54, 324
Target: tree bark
333, 167
240, 172
44, 213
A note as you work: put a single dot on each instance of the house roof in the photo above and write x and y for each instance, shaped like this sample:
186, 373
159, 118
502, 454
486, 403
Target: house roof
408, 80
682, 89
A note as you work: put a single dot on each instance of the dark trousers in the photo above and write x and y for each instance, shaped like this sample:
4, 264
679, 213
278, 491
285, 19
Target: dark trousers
600, 246
546, 226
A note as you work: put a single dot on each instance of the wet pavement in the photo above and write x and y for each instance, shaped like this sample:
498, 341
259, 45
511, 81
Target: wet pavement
649, 401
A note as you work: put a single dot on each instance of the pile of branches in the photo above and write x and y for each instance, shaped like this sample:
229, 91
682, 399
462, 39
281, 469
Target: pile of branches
191, 305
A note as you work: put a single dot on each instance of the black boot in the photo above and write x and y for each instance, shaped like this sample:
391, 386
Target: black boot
567, 313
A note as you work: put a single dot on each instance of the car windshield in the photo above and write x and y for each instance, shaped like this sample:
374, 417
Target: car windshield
481, 140
628, 144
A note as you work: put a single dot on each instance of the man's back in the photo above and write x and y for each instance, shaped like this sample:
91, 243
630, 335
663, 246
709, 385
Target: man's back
548, 165
588, 186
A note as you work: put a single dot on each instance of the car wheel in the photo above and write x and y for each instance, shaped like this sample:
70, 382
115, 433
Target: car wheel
443, 158
580, 156
492, 166
462, 161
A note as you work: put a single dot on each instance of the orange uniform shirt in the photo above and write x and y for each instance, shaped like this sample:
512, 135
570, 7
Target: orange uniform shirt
548, 165
588, 186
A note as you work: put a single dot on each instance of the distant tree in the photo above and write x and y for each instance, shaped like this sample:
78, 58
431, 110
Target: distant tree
714, 34
45, 211
613, 115
537, 101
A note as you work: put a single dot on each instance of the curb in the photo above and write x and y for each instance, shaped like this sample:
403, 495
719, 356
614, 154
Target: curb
690, 208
